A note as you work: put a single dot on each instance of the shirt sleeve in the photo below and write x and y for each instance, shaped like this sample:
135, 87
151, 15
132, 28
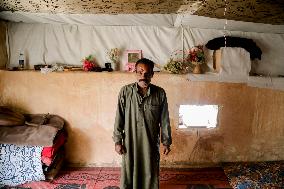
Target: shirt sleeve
166, 137
119, 118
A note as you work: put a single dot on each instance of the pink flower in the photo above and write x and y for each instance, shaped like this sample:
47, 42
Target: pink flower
130, 67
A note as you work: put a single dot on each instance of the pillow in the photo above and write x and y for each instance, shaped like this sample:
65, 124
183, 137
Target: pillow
9, 117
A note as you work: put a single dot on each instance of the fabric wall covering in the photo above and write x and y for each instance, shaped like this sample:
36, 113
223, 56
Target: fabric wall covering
70, 43
54, 43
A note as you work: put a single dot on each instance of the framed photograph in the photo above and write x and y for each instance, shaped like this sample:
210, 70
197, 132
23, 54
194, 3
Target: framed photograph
132, 57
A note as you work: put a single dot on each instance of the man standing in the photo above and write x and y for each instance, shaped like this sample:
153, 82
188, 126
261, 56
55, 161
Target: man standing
142, 115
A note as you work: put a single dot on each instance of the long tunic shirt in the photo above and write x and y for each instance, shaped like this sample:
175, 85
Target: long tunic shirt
138, 124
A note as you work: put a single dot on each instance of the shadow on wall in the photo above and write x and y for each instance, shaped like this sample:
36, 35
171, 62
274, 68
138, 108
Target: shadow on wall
78, 146
206, 147
16, 108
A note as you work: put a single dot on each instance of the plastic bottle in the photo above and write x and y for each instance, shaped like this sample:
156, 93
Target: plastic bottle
21, 61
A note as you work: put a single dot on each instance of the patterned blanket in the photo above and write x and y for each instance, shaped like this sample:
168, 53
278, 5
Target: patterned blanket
255, 175
20, 164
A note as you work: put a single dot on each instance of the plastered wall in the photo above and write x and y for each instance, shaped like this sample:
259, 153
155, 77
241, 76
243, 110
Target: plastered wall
3, 49
250, 120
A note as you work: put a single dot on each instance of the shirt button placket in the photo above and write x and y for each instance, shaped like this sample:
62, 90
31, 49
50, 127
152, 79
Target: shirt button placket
141, 112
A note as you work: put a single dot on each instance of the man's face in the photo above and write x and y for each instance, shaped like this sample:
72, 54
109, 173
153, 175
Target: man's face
144, 75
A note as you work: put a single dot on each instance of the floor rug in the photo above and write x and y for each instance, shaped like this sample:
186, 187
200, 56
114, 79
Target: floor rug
108, 178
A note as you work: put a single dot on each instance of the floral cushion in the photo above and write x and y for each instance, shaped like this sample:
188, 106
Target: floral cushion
255, 175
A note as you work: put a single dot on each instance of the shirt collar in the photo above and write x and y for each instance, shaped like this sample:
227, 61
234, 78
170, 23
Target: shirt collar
148, 91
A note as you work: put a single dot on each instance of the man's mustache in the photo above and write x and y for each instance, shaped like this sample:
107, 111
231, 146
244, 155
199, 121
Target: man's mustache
143, 80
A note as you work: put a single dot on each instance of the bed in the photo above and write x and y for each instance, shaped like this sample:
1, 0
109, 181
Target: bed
28, 152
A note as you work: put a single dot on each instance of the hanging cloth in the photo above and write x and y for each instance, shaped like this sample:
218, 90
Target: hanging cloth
248, 44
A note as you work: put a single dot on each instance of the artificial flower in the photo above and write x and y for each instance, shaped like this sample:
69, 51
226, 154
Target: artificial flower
196, 55
113, 55
89, 63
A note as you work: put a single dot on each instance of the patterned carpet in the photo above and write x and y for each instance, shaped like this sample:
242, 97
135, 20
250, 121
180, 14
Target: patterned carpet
108, 178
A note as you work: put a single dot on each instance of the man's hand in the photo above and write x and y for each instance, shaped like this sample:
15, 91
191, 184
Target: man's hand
166, 149
120, 149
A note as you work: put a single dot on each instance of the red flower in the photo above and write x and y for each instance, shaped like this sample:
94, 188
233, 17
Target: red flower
88, 66
89, 63
196, 55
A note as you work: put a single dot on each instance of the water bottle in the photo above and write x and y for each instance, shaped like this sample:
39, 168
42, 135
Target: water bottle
21, 61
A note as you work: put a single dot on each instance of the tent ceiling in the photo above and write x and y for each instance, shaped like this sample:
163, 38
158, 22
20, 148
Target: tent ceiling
259, 11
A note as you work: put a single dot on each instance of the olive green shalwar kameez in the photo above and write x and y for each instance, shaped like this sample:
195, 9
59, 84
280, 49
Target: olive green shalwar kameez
138, 125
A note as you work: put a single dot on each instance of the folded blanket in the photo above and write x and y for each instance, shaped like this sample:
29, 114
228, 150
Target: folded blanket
48, 154
50, 151
39, 135
48, 161
52, 170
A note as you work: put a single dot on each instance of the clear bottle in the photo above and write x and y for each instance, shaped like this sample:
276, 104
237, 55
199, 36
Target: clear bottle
21, 61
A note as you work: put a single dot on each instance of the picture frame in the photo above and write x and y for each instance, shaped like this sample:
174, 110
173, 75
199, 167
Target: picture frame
132, 57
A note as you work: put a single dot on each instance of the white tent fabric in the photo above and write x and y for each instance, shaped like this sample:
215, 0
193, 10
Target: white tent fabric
64, 43
272, 59
70, 42
235, 64
272, 45
235, 67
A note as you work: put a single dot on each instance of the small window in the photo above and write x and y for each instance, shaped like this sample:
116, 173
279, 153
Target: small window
198, 116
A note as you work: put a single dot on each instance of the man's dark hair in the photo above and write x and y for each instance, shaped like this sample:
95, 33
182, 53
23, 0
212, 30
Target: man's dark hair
145, 61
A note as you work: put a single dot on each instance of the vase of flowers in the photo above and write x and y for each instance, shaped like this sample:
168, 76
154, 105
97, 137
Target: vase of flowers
89, 63
197, 58
177, 64
113, 56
